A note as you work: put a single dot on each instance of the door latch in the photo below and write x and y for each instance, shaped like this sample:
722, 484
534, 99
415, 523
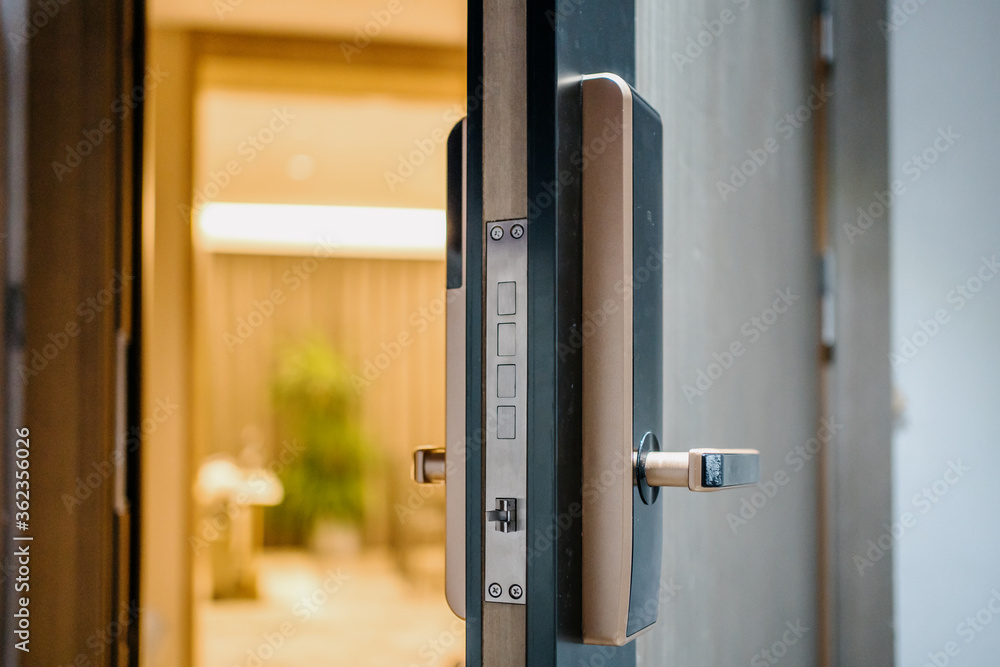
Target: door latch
505, 515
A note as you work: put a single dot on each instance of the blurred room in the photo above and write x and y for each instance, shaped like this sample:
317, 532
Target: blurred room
309, 349
250, 266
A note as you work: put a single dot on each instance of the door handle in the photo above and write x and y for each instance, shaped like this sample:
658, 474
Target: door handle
698, 469
622, 369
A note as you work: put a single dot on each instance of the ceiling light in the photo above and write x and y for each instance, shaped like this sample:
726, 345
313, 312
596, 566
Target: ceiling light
322, 231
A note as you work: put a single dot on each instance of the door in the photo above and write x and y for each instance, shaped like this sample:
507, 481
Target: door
732, 83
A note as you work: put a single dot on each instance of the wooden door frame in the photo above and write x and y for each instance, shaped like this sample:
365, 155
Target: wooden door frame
71, 342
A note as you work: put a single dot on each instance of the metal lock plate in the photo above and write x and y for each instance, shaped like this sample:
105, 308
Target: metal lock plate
506, 411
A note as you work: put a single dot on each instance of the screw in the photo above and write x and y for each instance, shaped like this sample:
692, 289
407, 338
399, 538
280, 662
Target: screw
496, 233
517, 231
495, 590
516, 592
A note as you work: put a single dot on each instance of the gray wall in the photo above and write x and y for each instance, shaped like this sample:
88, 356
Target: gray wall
944, 71
732, 589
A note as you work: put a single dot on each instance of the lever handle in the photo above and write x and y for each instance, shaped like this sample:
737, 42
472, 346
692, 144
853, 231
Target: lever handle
699, 469
429, 466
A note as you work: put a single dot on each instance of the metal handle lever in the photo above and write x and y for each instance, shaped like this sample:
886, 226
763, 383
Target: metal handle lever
698, 469
429, 466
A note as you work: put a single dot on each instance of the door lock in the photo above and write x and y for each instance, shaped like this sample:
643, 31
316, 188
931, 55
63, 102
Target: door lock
505, 515
621, 231
622, 404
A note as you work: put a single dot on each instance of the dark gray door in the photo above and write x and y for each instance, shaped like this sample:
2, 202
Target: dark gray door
739, 571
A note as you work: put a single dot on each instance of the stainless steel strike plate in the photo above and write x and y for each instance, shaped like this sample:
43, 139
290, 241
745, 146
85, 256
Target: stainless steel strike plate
506, 411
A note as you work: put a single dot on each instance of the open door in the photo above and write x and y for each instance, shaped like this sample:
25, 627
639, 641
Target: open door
631, 294
641, 278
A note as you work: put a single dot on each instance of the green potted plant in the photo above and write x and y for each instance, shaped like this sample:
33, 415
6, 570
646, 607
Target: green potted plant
324, 483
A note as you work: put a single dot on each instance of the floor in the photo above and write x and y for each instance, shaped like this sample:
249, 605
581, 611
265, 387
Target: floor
312, 613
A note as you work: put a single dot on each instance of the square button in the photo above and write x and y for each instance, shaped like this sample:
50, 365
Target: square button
505, 380
505, 339
506, 299
506, 422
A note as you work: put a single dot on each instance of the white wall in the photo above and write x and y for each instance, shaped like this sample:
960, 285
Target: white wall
945, 73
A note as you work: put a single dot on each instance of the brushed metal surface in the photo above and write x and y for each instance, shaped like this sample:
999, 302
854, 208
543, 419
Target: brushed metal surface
455, 442
607, 361
506, 418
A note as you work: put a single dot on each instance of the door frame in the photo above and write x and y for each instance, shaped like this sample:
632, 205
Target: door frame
522, 142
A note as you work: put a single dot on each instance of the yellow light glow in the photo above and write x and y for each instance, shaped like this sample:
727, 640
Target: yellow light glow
322, 231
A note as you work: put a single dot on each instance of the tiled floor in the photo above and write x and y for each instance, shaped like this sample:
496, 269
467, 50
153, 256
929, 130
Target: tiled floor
312, 613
